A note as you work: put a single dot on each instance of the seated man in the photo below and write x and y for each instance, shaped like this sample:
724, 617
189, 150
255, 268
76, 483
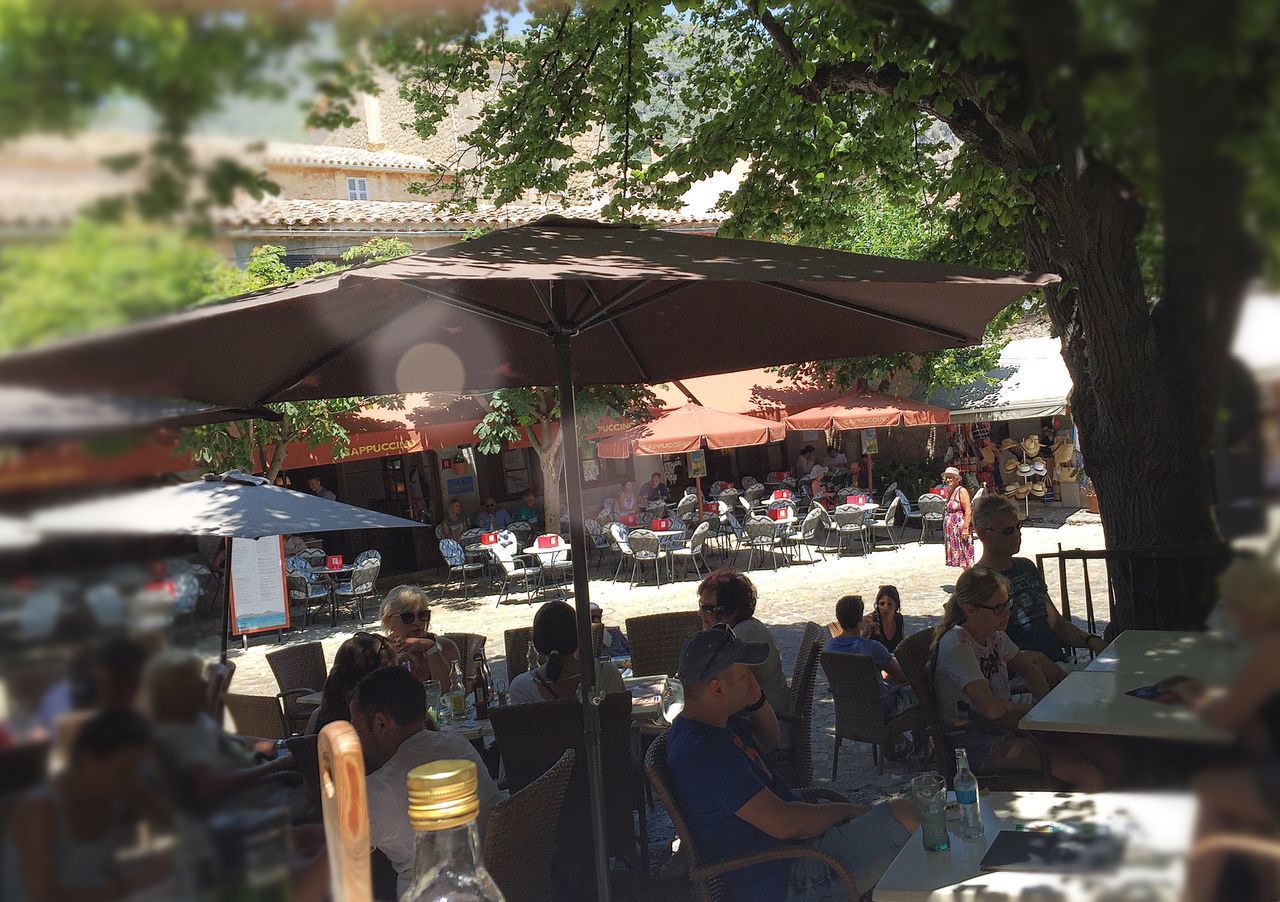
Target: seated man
656, 490
851, 634
527, 512
736, 805
1035, 625
492, 517
389, 713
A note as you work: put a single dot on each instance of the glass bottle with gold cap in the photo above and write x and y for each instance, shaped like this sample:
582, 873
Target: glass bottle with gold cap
446, 858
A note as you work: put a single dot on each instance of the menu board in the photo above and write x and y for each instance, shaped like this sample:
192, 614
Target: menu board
697, 464
259, 592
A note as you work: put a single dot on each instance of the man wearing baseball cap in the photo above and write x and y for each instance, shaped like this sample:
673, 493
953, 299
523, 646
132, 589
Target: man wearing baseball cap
736, 804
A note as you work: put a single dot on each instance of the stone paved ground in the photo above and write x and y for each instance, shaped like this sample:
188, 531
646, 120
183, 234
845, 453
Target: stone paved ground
789, 598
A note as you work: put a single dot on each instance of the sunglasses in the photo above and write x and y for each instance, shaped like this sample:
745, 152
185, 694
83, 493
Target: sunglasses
409, 616
712, 608
997, 609
1004, 531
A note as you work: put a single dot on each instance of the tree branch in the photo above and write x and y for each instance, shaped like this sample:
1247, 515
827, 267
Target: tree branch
781, 39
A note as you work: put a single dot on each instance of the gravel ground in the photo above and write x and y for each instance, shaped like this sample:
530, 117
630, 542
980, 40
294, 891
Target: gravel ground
788, 598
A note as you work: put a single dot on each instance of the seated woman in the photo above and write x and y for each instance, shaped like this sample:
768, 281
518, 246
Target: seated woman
555, 635
887, 618
64, 837
208, 765
852, 634
1242, 800
727, 596
406, 616
627, 498
970, 662
356, 658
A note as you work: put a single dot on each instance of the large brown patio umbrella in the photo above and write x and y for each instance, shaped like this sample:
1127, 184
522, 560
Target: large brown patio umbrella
868, 410
553, 303
690, 428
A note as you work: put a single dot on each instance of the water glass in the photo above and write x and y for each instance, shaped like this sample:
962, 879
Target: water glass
929, 792
672, 699
433, 699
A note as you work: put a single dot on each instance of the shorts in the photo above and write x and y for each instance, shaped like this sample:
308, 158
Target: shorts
867, 845
978, 745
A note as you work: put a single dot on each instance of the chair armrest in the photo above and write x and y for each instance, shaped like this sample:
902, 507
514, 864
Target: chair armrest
818, 794
780, 854
291, 694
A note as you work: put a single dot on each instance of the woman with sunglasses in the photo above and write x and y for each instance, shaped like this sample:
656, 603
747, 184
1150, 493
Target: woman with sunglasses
358, 657
970, 663
406, 615
886, 619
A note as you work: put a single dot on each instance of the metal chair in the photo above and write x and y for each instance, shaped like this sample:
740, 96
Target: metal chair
618, 537
855, 689
515, 568
933, 511
258, 715
299, 670
887, 523
519, 850
352, 594
851, 522
762, 536
557, 566
656, 640
600, 543
303, 588
705, 875
645, 548
456, 559
808, 530
692, 551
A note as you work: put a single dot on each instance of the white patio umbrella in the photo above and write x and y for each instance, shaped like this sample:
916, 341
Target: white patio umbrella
16, 534
230, 505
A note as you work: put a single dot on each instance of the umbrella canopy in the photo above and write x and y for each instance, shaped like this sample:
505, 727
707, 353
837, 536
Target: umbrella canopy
459, 318
689, 428
868, 410
33, 415
233, 505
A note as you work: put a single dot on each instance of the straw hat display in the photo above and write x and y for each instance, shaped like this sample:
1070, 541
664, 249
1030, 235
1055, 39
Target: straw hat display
1038, 489
1008, 445
1024, 469
1011, 465
1010, 489
1038, 467
1022, 491
1031, 445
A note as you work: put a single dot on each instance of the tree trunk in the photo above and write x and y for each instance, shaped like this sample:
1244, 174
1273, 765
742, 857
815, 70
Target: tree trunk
552, 462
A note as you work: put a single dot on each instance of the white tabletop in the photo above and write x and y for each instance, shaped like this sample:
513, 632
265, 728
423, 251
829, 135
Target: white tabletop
1095, 702
1158, 828
553, 553
1159, 654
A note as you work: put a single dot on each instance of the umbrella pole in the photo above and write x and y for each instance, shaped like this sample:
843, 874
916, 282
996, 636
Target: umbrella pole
226, 596
698, 480
582, 600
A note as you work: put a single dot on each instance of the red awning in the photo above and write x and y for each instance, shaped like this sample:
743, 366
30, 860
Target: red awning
689, 428
868, 410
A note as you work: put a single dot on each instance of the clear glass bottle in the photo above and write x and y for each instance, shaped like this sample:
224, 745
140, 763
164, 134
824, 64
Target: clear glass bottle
966, 785
531, 658
457, 692
446, 857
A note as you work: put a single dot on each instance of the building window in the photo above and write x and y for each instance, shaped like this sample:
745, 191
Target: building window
357, 189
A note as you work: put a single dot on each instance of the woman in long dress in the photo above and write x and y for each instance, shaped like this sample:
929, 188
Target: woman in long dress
957, 523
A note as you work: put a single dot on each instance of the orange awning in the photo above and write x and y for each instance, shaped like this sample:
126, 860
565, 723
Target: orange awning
868, 410
690, 428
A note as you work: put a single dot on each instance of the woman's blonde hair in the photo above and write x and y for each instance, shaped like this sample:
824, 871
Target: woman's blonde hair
400, 600
974, 586
171, 681
1252, 585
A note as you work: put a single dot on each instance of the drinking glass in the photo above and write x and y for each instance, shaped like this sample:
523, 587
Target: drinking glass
672, 700
929, 792
434, 707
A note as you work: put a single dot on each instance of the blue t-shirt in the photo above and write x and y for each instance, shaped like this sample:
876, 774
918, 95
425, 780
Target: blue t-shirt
856, 645
1028, 616
715, 771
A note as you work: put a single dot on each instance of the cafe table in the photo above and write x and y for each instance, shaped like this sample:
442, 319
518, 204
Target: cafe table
332, 581
556, 558
1157, 829
1158, 654
467, 727
1095, 702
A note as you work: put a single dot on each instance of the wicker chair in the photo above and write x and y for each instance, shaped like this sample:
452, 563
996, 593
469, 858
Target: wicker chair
519, 850
306, 754
257, 715
796, 762
516, 645
855, 689
300, 670
468, 644
705, 875
913, 654
533, 737
656, 640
